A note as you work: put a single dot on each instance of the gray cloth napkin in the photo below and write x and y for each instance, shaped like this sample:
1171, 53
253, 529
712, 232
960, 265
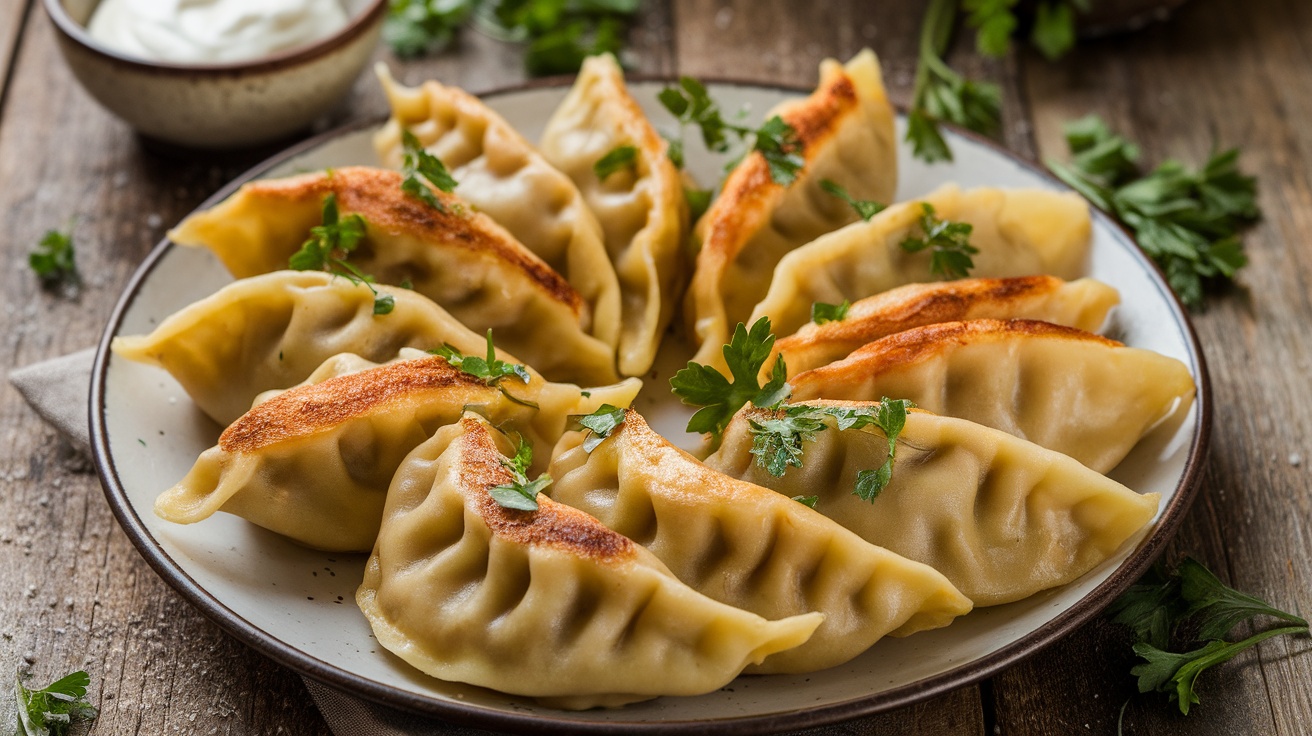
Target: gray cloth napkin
59, 390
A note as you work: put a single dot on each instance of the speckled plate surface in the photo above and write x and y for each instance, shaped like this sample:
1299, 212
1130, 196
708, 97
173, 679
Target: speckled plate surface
297, 606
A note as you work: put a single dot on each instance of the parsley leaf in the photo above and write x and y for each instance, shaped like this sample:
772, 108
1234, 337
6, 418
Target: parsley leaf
941, 94
521, 493
600, 424
778, 441
51, 710
704, 386
822, 313
420, 163
776, 140
1187, 221
54, 260
807, 501
948, 242
1191, 606
330, 244
1053, 33
865, 209
621, 157
419, 27
491, 369
560, 33
699, 200
994, 22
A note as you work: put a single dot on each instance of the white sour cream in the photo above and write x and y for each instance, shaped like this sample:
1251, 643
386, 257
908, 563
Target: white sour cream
212, 31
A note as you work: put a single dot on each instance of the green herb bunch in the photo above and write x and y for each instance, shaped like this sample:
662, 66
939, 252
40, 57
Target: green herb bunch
1180, 622
1187, 220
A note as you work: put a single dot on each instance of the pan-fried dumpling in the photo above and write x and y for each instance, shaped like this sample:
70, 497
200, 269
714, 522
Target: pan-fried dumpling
272, 331
548, 603
1081, 304
1071, 391
455, 256
749, 547
641, 205
1002, 518
313, 463
1019, 232
502, 176
846, 129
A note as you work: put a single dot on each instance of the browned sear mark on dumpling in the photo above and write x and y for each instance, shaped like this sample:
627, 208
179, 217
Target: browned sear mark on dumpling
552, 525
306, 409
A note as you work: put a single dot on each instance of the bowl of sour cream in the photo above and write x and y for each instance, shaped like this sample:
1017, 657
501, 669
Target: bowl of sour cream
217, 73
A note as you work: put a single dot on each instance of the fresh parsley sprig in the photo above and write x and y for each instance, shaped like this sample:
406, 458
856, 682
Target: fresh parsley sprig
822, 313
416, 28
948, 243
864, 208
941, 94
54, 260
1052, 31
807, 501
492, 370
775, 140
619, 158
1190, 606
417, 164
52, 710
600, 424
779, 441
1188, 221
330, 244
520, 493
719, 398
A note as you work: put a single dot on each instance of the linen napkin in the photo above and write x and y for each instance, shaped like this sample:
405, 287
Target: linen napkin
59, 390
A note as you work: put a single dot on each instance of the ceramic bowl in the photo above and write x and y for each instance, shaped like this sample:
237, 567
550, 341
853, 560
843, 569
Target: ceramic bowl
219, 106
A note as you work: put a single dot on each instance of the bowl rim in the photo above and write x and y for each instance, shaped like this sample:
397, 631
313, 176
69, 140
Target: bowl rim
359, 24
332, 676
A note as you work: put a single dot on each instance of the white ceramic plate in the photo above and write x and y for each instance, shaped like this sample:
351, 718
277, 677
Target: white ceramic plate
297, 605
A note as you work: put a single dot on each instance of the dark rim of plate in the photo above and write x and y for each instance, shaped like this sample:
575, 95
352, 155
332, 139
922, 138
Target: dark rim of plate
490, 718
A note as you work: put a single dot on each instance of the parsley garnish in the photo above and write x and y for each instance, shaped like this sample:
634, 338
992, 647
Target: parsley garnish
1188, 607
51, 710
807, 501
994, 22
865, 209
948, 242
699, 200
329, 246
560, 33
418, 27
776, 140
521, 493
1052, 33
822, 313
492, 370
1187, 221
600, 424
621, 157
54, 260
420, 163
778, 442
704, 386
943, 95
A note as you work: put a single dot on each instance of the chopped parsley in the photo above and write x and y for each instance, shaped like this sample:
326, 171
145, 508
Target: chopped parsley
419, 164
775, 140
52, 710
520, 493
822, 313
864, 208
719, 398
492, 370
620, 158
807, 501
329, 246
948, 243
600, 424
54, 259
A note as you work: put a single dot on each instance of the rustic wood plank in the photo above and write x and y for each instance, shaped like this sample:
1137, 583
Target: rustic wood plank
11, 23
1228, 74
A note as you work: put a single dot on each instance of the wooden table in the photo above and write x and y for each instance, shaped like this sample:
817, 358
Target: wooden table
75, 594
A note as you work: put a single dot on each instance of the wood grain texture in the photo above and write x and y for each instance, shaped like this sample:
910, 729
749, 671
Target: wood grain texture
1219, 74
11, 25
